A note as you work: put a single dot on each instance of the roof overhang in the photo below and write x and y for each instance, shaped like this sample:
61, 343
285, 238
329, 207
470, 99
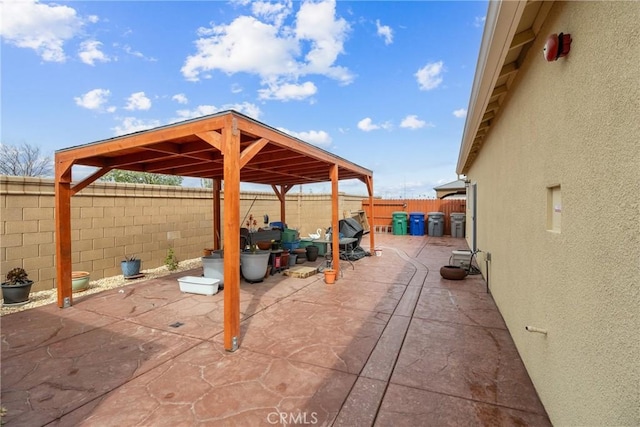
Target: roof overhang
194, 148
510, 29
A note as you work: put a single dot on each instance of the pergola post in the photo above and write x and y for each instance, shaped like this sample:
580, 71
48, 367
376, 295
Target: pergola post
216, 214
63, 195
231, 155
335, 230
281, 193
283, 204
372, 240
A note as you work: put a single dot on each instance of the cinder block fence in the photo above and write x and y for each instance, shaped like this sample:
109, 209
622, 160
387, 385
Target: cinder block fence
111, 220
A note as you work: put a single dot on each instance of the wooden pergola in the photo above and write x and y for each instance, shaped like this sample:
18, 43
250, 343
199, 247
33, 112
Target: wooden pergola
226, 146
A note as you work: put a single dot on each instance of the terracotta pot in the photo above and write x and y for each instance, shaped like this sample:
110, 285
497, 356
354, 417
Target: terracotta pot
329, 276
264, 245
453, 272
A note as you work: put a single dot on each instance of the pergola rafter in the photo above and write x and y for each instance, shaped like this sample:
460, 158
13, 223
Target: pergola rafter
226, 147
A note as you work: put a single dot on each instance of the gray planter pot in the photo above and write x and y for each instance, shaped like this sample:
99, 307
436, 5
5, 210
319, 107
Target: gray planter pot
17, 294
254, 265
213, 268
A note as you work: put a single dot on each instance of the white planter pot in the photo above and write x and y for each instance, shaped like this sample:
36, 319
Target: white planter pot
198, 285
254, 265
213, 267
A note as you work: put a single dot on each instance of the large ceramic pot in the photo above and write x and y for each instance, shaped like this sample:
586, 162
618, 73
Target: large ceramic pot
254, 265
453, 272
312, 253
15, 295
213, 267
79, 280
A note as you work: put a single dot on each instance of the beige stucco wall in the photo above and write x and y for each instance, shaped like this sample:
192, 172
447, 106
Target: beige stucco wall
573, 123
109, 220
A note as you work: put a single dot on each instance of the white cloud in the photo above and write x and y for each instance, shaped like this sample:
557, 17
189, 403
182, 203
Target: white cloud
90, 52
412, 122
246, 108
199, 111
129, 50
94, 100
288, 91
367, 125
138, 101
180, 98
479, 21
277, 53
245, 45
317, 23
317, 138
385, 32
236, 88
132, 124
460, 113
41, 27
275, 13
430, 76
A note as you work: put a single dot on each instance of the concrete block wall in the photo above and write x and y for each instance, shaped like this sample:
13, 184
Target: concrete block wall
111, 220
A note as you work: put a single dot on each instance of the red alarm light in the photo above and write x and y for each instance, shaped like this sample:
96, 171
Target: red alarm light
557, 46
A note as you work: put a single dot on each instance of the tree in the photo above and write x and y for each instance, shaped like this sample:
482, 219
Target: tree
24, 160
118, 175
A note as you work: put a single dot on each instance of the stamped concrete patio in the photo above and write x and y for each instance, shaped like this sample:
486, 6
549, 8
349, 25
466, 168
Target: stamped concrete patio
390, 344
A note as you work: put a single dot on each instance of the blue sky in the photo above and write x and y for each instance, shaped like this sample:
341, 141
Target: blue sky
384, 84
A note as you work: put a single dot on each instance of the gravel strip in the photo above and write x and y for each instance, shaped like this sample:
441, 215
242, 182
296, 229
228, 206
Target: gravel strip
50, 296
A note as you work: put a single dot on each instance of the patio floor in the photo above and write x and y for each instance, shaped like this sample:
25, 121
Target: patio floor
390, 343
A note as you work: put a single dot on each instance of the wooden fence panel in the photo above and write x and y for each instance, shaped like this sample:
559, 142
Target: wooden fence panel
382, 220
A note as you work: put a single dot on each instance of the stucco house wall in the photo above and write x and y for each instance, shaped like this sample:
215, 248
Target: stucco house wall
573, 124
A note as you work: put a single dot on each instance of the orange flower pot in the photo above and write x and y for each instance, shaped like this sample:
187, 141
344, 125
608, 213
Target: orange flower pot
329, 276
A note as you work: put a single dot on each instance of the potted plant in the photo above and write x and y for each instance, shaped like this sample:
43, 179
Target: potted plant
253, 263
16, 289
130, 266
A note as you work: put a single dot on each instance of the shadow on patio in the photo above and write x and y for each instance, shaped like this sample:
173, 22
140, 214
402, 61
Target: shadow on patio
391, 343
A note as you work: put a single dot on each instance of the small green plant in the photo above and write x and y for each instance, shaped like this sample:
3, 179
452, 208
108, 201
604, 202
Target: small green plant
171, 261
17, 276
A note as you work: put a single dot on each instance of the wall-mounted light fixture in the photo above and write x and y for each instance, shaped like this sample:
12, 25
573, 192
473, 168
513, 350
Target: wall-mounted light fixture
557, 46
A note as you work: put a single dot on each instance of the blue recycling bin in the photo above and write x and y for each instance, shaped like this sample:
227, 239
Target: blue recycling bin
416, 223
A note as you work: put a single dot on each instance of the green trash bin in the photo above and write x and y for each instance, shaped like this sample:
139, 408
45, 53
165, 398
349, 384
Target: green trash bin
399, 223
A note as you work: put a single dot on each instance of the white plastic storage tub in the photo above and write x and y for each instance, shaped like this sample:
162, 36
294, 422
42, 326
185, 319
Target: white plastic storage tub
461, 258
198, 285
